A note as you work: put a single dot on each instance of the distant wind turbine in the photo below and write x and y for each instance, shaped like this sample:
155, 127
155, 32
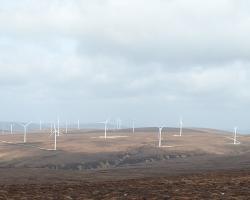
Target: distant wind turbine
181, 128
55, 135
11, 128
118, 123
66, 128
25, 130
160, 131
181, 124
58, 127
40, 125
235, 136
54, 132
105, 127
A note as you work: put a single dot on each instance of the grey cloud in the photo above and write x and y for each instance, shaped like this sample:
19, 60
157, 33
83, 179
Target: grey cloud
155, 60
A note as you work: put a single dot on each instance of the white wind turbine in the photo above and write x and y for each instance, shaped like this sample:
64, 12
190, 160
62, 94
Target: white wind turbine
54, 132
78, 124
159, 136
25, 130
106, 123
11, 129
118, 123
55, 137
40, 123
58, 126
105, 127
181, 127
235, 136
66, 127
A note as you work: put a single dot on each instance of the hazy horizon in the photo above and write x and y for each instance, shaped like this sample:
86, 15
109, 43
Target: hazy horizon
152, 61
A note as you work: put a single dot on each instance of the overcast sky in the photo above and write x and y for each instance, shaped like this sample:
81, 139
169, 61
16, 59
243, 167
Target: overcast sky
151, 60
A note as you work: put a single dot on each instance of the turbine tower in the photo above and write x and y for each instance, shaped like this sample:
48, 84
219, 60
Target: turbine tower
25, 130
78, 124
181, 128
55, 137
160, 131
11, 129
66, 127
105, 128
106, 125
235, 136
181, 125
58, 126
54, 132
40, 125
118, 123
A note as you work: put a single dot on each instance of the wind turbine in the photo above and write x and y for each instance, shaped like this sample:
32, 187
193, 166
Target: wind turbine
54, 132
40, 125
181, 124
105, 127
235, 136
58, 127
66, 128
78, 124
11, 129
160, 131
181, 127
25, 130
55, 135
118, 123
